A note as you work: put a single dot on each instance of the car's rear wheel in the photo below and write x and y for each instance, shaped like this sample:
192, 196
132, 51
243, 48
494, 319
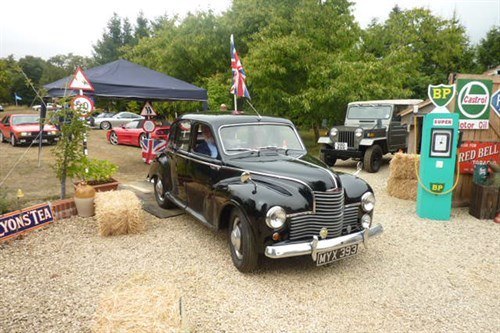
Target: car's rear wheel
2, 139
242, 242
113, 138
160, 197
373, 159
105, 125
13, 140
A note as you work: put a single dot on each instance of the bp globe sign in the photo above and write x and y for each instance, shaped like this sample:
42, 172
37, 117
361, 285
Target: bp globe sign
473, 101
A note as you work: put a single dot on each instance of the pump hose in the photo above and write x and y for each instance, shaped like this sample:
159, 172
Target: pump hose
432, 192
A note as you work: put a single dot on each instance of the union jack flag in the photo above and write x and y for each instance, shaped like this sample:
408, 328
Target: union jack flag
239, 88
151, 148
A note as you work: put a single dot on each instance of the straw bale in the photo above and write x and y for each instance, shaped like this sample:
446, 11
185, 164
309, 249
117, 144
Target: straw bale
403, 166
118, 213
140, 304
403, 188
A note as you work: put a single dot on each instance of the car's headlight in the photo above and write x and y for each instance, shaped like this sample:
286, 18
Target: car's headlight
368, 202
25, 133
334, 132
358, 132
275, 217
52, 133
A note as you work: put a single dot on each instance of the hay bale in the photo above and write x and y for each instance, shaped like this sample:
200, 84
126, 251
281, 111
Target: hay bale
141, 304
403, 166
118, 213
403, 188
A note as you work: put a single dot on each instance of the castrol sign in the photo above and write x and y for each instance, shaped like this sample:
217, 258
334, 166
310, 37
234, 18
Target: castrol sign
473, 103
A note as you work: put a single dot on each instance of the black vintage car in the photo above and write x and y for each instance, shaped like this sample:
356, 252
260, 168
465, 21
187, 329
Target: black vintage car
252, 176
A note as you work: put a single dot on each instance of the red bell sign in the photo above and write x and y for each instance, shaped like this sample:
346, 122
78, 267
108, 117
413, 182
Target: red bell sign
473, 152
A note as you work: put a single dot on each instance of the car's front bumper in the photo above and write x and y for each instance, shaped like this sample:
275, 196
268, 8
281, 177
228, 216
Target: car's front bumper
342, 154
45, 139
317, 246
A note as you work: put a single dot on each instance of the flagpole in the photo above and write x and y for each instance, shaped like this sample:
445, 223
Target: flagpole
235, 103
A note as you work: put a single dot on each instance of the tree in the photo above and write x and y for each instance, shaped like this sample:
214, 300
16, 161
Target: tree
435, 46
488, 50
108, 47
142, 29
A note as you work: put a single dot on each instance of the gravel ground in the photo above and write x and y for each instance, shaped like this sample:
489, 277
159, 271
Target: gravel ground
420, 275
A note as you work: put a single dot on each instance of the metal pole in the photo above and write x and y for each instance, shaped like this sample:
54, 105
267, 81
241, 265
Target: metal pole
235, 103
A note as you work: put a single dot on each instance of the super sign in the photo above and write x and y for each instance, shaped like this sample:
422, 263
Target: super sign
16, 223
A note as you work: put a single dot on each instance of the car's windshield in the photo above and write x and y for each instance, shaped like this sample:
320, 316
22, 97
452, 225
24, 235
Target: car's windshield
369, 112
257, 136
19, 120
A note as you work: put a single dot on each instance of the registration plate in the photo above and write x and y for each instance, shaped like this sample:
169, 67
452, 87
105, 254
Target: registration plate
324, 258
341, 145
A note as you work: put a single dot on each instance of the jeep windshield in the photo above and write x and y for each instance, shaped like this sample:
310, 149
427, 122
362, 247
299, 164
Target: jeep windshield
240, 138
369, 112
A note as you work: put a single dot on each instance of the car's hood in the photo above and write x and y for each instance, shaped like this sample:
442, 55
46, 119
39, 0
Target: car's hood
305, 169
32, 128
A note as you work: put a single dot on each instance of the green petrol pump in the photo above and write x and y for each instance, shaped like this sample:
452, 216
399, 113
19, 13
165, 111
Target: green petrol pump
438, 157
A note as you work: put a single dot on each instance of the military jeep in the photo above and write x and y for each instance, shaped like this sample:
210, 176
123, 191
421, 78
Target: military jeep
371, 130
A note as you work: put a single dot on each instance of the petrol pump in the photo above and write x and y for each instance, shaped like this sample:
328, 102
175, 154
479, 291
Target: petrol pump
438, 157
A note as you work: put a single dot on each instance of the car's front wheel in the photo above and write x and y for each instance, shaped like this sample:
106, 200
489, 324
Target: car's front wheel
160, 197
141, 138
113, 138
373, 158
330, 161
2, 139
13, 140
105, 125
242, 242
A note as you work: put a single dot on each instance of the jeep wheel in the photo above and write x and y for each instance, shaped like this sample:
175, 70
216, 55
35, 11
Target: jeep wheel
373, 158
160, 197
242, 242
330, 161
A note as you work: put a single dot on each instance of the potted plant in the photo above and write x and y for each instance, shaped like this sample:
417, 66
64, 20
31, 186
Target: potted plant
98, 174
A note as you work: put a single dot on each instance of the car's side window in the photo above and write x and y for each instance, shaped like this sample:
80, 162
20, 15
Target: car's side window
182, 135
204, 142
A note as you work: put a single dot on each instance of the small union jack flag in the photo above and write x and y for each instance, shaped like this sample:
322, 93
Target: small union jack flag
239, 88
151, 148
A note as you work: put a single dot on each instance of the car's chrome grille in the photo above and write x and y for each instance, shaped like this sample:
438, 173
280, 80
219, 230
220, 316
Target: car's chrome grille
351, 220
329, 214
346, 136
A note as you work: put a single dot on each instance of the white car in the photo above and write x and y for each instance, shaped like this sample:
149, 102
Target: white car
118, 119
50, 107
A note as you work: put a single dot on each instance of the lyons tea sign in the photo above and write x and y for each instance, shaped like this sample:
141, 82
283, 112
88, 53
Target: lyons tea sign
15, 223
473, 103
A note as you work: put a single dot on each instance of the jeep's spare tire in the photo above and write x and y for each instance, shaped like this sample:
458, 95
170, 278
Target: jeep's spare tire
373, 159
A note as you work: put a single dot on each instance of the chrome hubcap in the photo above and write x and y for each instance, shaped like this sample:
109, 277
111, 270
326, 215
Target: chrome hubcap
113, 138
159, 189
236, 238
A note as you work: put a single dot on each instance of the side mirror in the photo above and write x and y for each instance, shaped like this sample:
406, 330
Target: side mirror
359, 167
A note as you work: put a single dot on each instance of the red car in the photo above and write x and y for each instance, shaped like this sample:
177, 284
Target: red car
25, 128
132, 133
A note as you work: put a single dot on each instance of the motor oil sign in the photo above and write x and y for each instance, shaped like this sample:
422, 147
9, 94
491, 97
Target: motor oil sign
473, 103
474, 152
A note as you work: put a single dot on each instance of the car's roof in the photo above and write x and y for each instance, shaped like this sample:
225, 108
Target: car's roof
217, 120
390, 101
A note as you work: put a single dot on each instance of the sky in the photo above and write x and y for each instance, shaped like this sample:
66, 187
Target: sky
45, 28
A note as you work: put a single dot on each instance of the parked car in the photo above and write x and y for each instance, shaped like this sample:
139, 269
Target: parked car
132, 133
261, 185
1, 108
25, 128
91, 119
118, 119
371, 130
50, 107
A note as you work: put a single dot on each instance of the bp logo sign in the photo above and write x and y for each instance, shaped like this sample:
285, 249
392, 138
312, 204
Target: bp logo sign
473, 103
441, 95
